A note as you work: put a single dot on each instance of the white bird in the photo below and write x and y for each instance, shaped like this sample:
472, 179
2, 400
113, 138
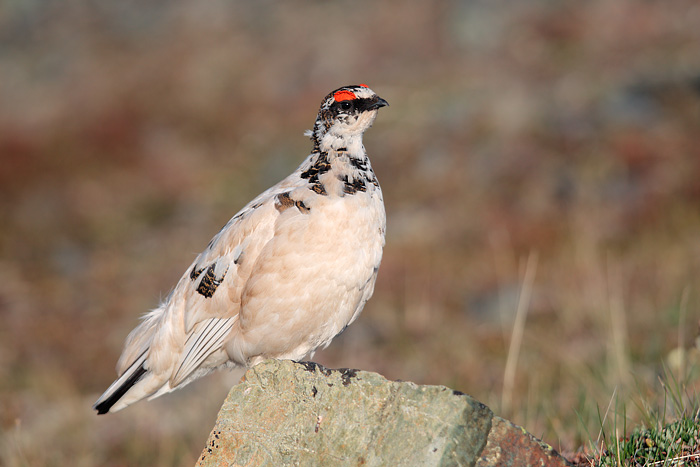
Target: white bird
284, 276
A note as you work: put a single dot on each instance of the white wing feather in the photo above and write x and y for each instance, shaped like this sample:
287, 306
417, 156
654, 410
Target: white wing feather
206, 338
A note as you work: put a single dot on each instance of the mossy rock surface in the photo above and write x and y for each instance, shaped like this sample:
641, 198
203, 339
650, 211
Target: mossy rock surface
288, 413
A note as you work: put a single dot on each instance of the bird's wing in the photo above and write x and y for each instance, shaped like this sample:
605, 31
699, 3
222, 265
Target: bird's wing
207, 337
212, 287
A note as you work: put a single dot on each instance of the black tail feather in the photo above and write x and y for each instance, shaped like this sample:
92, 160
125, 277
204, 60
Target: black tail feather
104, 406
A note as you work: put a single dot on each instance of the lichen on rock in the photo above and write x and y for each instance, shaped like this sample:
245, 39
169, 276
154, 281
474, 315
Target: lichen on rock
288, 413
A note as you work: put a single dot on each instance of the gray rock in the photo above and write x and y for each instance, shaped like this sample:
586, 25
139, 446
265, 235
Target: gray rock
288, 413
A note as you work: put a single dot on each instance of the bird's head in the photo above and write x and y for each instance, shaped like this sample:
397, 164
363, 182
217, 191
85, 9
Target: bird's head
345, 114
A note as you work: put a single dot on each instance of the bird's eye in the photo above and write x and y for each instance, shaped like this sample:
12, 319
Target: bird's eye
346, 105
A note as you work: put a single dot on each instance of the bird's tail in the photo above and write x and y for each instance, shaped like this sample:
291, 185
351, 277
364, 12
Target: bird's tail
133, 385
151, 352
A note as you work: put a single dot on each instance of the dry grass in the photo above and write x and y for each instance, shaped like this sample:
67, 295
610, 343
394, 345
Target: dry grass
130, 133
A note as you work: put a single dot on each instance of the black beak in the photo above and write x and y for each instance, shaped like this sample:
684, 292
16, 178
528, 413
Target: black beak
377, 103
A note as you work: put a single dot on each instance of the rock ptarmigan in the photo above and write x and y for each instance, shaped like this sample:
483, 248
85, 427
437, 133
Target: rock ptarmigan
283, 277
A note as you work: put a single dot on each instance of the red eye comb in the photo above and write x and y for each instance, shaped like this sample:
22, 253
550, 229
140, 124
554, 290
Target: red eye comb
344, 95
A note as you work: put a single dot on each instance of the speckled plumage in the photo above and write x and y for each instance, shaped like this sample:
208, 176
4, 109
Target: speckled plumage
283, 277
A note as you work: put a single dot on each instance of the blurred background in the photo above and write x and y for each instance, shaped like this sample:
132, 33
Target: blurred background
536, 155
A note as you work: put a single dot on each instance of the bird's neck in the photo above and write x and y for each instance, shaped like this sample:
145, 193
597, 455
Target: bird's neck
340, 166
347, 142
